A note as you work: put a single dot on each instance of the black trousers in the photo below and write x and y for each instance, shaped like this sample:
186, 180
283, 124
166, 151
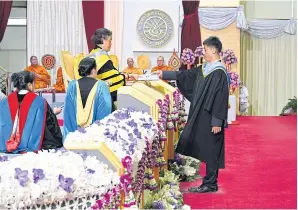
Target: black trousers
210, 180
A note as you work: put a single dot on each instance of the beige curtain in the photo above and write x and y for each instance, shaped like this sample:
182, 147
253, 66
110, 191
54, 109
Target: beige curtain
113, 20
54, 26
268, 70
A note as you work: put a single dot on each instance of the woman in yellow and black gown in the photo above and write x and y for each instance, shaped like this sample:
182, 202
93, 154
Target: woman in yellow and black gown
102, 40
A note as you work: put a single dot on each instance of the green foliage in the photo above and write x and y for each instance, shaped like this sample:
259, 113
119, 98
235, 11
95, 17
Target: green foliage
291, 104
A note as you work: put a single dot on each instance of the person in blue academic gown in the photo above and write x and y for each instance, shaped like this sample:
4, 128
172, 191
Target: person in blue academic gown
87, 99
27, 122
207, 88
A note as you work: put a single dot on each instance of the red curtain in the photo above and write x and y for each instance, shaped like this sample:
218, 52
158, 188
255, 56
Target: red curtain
5, 8
93, 17
191, 32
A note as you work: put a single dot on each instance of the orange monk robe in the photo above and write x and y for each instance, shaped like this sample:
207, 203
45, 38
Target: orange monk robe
132, 70
45, 79
59, 86
162, 68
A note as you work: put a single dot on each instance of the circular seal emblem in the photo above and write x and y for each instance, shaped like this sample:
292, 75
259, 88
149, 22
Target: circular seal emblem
48, 61
155, 28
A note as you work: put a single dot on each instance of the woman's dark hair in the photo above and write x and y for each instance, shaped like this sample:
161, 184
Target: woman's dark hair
213, 41
22, 79
86, 65
100, 35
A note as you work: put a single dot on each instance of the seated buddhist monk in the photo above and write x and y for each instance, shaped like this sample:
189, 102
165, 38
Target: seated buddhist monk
27, 122
131, 69
59, 86
87, 99
161, 65
42, 77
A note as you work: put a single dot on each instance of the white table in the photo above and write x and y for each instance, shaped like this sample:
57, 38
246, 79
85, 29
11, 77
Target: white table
232, 109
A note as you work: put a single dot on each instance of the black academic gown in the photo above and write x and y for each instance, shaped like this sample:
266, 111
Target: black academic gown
209, 97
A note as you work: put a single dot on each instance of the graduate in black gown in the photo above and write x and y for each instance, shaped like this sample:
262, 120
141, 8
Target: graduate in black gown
207, 88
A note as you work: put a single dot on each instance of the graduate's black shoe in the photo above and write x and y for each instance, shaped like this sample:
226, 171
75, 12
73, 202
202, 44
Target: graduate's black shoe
202, 189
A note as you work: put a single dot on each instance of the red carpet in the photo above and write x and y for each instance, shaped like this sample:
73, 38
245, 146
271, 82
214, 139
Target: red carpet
261, 167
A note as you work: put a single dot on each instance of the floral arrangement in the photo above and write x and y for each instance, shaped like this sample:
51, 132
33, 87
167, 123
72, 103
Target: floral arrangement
186, 168
129, 134
229, 58
199, 52
234, 80
125, 183
187, 57
178, 113
124, 131
53, 177
168, 196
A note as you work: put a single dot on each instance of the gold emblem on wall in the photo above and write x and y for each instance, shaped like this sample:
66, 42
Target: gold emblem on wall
174, 61
155, 28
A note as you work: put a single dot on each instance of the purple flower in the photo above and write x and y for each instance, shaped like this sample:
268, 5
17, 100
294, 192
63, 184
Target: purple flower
157, 205
229, 57
111, 121
147, 125
132, 123
65, 183
107, 197
178, 159
187, 56
90, 171
127, 163
124, 128
3, 158
21, 176
99, 204
121, 115
131, 149
81, 130
107, 132
137, 133
38, 175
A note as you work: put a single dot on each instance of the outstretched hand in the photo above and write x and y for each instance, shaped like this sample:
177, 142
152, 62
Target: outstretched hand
134, 76
159, 74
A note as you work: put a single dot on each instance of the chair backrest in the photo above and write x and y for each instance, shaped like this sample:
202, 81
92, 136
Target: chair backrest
76, 61
143, 62
67, 67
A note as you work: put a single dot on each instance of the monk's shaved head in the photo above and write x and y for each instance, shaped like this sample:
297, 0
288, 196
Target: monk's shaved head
33, 60
160, 60
130, 62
